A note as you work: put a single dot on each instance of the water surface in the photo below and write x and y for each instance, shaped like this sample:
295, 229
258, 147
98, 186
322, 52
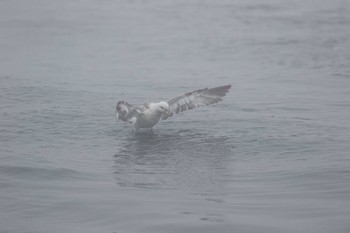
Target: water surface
272, 157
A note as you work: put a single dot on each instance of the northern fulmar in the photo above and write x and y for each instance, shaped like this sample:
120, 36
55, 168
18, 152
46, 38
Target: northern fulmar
149, 114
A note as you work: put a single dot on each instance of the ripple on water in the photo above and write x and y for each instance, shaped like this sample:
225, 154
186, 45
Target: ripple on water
185, 160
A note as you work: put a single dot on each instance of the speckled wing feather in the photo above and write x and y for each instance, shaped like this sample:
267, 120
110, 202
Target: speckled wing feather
127, 112
196, 99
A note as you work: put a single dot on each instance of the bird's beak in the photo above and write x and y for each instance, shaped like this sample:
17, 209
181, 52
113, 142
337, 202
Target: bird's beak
166, 112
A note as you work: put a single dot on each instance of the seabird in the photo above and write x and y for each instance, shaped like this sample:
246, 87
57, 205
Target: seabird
149, 114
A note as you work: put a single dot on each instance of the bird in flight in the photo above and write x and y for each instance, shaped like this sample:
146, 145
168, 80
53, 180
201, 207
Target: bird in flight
149, 114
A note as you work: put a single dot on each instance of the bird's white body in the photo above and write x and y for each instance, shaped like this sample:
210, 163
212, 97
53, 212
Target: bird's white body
151, 115
148, 115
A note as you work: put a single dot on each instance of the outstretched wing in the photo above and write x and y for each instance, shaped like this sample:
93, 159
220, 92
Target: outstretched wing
126, 112
196, 99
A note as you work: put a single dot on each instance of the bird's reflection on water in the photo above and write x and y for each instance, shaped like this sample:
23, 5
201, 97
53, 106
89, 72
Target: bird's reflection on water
183, 159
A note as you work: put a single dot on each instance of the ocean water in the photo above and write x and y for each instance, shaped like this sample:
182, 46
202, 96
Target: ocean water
274, 156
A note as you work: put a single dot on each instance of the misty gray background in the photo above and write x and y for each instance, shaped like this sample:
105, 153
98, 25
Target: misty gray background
272, 157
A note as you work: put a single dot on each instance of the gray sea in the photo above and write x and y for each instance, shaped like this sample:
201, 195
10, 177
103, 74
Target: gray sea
273, 157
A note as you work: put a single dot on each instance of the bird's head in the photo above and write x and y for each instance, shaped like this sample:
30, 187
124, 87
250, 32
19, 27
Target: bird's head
162, 107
